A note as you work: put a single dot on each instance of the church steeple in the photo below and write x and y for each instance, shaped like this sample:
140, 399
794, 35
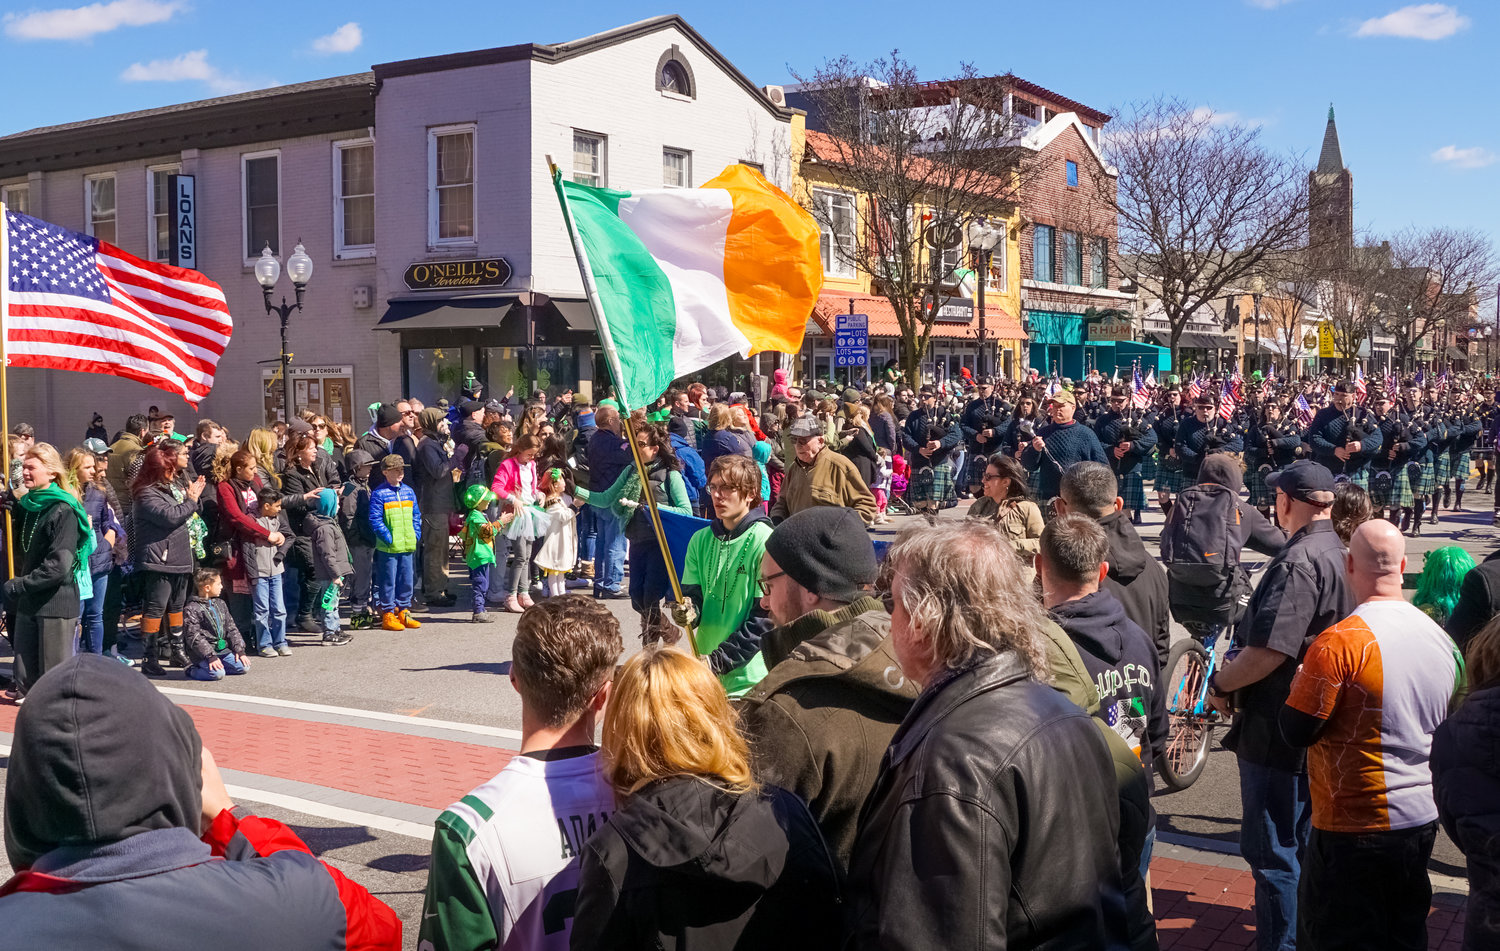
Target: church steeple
1331, 160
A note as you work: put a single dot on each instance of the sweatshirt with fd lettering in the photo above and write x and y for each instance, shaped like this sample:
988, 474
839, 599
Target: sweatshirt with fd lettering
504, 870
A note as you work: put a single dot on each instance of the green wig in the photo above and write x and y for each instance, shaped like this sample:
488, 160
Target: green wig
1442, 575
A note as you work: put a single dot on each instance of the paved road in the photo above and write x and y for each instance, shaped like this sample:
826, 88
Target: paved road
359, 747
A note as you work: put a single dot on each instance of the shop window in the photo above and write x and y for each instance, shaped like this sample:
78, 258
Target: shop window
1072, 258
1043, 267
450, 177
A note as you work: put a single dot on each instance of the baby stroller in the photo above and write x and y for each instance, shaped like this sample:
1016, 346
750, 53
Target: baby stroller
896, 504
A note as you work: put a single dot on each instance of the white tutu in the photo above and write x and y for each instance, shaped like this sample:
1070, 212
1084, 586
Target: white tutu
559, 550
530, 522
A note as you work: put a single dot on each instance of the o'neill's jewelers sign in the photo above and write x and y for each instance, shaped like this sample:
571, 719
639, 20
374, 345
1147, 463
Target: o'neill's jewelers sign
445, 275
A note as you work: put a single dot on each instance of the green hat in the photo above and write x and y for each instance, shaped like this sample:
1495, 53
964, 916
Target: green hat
477, 496
610, 402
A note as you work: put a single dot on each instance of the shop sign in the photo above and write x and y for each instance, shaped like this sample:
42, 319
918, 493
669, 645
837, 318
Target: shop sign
955, 310
448, 275
851, 340
1110, 330
184, 210
1326, 345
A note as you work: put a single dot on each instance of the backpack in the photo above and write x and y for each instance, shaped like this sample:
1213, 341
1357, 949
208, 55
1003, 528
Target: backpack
1205, 583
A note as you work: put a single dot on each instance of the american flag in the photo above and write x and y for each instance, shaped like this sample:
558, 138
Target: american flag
1442, 381
1361, 389
1227, 402
1140, 397
1194, 388
73, 302
1304, 411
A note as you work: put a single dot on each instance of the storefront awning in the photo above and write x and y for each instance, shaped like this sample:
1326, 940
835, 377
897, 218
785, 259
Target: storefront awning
503, 312
998, 324
1193, 341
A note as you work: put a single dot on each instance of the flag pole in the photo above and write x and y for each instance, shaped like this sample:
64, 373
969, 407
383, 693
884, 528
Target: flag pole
612, 357
10, 556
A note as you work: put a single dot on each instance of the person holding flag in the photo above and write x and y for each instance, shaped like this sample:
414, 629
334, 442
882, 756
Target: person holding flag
1127, 442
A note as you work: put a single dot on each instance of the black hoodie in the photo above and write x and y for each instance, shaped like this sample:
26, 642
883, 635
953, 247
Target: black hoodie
1123, 663
1137, 579
686, 864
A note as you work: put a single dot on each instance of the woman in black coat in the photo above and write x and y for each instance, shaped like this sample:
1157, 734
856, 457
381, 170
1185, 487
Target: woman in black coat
1466, 786
301, 481
859, 445
43, 599
161, 548
697, 854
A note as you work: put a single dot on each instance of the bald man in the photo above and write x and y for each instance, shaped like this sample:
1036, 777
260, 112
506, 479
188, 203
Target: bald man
1365, 702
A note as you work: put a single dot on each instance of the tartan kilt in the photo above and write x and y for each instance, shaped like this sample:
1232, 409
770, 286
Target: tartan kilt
931, 485
1464, 467
1261, 495
1133, 491
1394, 492
1034, 482
1440, 469
1422, 484
1168, 481
973, 474
1361, 479
1149, 468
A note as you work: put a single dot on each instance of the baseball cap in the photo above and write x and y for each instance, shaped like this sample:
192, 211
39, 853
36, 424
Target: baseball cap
1065, 397
1305, 481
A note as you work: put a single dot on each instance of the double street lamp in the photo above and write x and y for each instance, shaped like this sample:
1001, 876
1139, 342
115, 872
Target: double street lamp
299, 267
983, 238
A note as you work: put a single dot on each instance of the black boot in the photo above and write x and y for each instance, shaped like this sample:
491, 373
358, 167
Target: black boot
1405, 520
1433, 519
1419, 508
1447, 497
150, 663
1458, 498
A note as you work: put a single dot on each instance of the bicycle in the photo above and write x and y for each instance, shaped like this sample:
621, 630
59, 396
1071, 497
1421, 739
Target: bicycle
1190, 720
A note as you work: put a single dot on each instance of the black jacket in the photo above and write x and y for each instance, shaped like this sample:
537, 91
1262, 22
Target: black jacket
860, 450
1122, 660
330, 552
295, 484
993, 823
43, 586
204, 621
684, 864
1478, 600
159, 533
1466, 785
1138, 580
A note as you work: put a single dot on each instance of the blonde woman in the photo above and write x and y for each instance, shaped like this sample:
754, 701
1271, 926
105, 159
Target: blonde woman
696, 854
221, 469
262, 444
55, 540
104, 525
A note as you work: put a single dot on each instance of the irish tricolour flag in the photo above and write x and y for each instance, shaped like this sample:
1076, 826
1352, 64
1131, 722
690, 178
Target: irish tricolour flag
683, 277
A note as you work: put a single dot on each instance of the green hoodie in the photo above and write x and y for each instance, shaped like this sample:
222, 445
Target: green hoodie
727, 570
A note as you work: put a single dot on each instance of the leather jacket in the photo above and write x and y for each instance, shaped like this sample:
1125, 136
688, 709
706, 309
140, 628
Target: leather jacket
993, 823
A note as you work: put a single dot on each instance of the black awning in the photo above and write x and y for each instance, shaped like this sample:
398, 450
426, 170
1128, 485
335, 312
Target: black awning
577, 313
446, 313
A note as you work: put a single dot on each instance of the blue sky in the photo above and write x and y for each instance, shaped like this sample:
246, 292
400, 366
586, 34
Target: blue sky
1412, 84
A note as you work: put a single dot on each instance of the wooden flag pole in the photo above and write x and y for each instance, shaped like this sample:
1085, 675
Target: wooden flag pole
612, 357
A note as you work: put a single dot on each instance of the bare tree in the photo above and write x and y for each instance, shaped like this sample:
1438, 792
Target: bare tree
1291, 296
1433, 285
1350, 286
913, 161
1202, 205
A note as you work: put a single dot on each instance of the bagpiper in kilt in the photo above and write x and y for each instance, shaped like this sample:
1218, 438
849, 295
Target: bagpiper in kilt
1440, 435
1270, 445
1127, 441
1169, 479
1417, 453
1466, 425
1343, 436
1390, 486
983, 414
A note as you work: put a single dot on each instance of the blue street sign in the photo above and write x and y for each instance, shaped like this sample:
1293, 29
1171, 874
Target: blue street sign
851, 340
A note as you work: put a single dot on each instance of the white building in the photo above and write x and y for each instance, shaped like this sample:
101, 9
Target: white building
421, 192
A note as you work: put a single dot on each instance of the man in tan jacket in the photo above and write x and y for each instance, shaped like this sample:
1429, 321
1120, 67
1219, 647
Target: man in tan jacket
820, 476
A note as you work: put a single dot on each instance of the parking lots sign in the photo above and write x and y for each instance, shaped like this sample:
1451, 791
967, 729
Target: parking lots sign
851, 340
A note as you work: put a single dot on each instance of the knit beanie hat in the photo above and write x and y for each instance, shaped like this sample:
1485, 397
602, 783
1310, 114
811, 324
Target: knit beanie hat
387, 416
328, 503
826, 550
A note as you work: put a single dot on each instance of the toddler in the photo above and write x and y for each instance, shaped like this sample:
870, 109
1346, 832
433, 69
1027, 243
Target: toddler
213, 643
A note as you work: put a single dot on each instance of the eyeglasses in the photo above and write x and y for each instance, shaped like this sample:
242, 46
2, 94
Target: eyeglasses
993, 477
719, 488
765, 583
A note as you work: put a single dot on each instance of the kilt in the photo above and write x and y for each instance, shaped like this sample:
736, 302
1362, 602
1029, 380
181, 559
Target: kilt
1361, 478
1149, 468
1422, 484
1034, 482
1133, 492
931, 485
1169, 481
1440, 469
1394, 492
973, 474
1463, 467
1261, 495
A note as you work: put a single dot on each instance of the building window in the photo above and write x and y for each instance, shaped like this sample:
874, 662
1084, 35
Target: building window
835, 216
1098, 262
950, 258
758, 166
354, 198
159, 201
676, 168
1072, 258
1072, 174
450, 179
100, 202
1043, 267
674, 76
16, 198
995, 280
588, 158
1024, 107
261, 174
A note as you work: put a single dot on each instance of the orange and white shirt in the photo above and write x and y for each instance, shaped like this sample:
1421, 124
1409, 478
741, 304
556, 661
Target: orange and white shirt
1382, 678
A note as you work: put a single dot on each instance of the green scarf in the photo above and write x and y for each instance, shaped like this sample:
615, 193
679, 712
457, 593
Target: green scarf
38, 500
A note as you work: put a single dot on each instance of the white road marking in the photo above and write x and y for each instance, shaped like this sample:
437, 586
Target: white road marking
337, 813
452, 725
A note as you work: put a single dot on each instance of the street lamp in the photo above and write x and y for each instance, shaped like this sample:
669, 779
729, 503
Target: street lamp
299, 268
982, 241
1257, 288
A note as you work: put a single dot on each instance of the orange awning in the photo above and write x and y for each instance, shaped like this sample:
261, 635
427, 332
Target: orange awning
998, 324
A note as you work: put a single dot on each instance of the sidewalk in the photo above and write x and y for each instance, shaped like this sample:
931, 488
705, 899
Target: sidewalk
1203, 900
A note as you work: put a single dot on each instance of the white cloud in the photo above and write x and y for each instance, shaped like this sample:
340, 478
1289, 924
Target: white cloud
193, 66
345, 39
1475, 157
1214, 117
1422, 21
1268, 4
81, 23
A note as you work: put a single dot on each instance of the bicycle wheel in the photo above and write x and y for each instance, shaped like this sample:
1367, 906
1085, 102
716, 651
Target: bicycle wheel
1188, 731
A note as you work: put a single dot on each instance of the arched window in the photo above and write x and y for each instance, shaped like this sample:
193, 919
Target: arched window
674, 75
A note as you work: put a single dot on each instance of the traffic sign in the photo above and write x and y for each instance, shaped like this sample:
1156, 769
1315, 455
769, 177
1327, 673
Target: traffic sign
851, 340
